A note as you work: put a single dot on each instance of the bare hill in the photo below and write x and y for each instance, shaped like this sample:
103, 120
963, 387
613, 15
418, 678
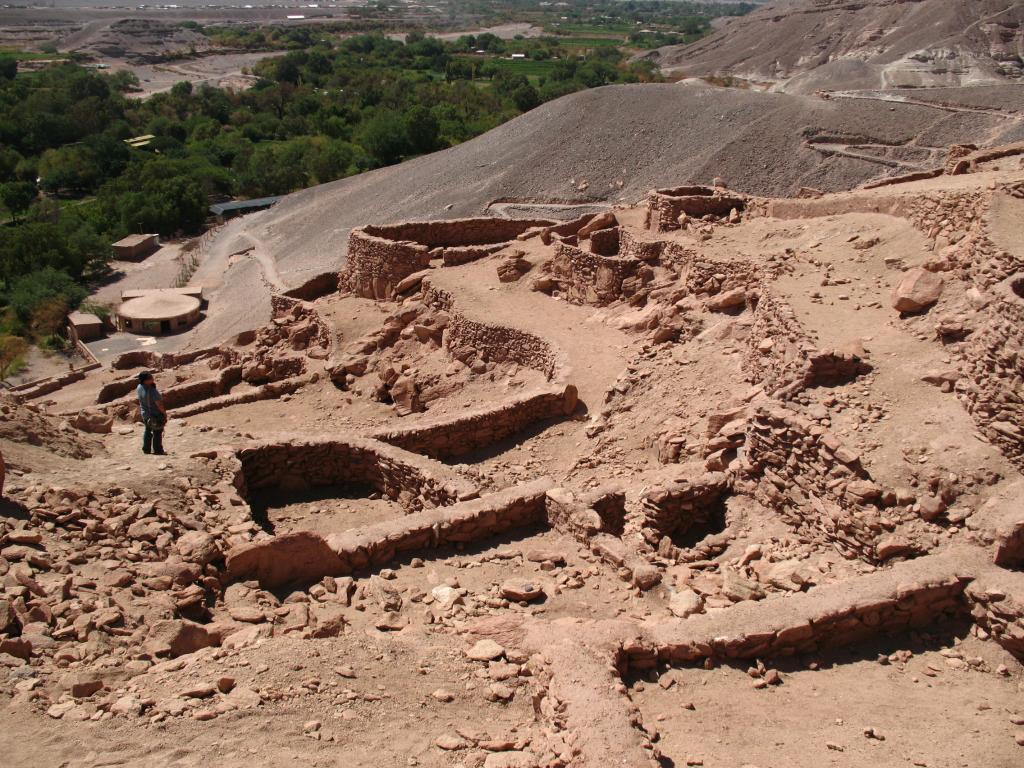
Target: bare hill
807, 45
615, 143
138, 40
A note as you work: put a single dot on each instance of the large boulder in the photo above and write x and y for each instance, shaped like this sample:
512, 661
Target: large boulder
917, 290
93, 421
177, 637
197, 547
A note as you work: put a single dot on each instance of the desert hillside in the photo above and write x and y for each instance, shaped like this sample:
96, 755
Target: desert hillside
613, 144
807, 45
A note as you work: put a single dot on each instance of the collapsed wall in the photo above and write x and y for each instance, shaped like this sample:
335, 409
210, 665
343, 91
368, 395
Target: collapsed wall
591, 278
955, 222
380, 257
785, 360
704, 274
818, 486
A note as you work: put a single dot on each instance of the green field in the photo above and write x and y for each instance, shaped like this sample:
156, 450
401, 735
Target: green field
527, 67
594, 29
30, 56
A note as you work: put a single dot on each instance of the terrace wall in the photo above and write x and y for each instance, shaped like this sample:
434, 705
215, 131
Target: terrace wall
499, 343
447, 437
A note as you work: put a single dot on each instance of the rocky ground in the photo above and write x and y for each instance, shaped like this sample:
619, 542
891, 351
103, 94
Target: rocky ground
757, 503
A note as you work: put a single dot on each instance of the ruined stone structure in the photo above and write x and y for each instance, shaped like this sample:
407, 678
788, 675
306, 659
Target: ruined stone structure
380, 257
733, 490
592, 278
665, 206
412, 480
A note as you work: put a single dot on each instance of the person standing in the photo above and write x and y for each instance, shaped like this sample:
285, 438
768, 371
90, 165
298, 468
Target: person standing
154, 415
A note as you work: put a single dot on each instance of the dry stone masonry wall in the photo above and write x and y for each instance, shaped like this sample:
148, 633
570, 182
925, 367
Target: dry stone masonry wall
818, 486
590, 278
299, 464
993, 388
915, 594
665, 206
448, 437
493, 342
783, 358
380, 257
307, 557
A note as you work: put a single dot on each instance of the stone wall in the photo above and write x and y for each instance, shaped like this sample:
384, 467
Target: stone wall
670, 511
916, 594
992, 389
380, 257
705, 275
181, 395
114, 389
160, 361
814, 483
499, 343
300, 463
640, 245
453, 257
447, 437
377, 264
665, 206
305, 557
589, 278
605, 242
46, 386
778, 347
269, 391
597, 520
997, 606
321, 285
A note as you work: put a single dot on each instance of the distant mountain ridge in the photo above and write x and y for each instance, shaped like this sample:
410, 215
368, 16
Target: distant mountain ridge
805, 45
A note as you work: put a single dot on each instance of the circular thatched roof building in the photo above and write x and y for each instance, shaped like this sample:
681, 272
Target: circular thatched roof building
159, 312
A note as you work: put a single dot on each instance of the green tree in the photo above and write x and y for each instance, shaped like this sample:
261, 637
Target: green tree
525, 98
17, 196
422, 129
72, 168
385, 137
12, 349
8, 67
329, 161
42, 288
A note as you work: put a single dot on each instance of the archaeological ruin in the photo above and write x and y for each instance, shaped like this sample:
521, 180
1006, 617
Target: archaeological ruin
591, 480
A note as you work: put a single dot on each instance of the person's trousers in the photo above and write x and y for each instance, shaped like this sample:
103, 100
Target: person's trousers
153, 439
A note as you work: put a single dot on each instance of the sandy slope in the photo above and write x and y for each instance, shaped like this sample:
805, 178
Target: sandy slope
807, 45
